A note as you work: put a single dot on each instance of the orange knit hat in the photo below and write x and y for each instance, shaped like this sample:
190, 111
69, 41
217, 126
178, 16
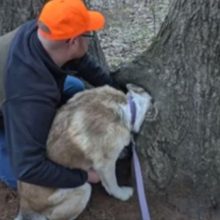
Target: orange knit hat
65, 19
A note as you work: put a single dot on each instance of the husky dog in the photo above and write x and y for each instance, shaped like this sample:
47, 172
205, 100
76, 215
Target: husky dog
93, 127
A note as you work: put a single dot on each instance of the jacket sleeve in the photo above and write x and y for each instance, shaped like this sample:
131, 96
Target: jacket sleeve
27, 123
88, 69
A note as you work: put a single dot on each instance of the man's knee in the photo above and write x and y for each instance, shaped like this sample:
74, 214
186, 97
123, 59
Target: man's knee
72, 85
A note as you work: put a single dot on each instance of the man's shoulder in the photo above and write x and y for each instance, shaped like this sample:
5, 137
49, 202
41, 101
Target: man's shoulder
24, 31
5, 43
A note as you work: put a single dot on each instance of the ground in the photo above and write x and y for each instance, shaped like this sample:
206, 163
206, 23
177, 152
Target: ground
178, 204
100, 207
131, 26
8, 203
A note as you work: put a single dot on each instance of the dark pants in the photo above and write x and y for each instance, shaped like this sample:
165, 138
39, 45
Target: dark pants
72, 85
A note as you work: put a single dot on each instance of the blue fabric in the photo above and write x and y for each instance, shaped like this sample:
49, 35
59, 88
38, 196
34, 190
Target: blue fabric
6, 174
72, 85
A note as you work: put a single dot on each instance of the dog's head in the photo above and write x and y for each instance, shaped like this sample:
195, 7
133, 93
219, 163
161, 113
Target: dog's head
142, 101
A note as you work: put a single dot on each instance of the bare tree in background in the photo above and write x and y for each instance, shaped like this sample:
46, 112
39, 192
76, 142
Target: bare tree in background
15, 12
180, 151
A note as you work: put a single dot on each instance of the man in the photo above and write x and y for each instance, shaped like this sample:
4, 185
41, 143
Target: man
41, 55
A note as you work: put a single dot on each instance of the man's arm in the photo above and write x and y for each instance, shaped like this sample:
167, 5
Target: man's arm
91, 71
27, 123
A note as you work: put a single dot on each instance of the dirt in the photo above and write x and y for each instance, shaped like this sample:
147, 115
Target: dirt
8, 203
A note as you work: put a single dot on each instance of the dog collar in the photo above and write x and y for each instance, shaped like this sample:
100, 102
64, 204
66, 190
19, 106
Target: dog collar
132, 109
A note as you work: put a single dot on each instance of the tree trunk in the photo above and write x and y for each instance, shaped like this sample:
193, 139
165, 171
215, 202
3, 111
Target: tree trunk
180, 151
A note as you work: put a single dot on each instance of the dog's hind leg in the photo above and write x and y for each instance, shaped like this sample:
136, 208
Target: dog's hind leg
109, 181
68, 203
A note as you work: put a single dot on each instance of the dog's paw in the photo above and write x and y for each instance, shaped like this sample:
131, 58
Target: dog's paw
125, 193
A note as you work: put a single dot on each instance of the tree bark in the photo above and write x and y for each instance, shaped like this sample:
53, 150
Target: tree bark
180, 151
15, 12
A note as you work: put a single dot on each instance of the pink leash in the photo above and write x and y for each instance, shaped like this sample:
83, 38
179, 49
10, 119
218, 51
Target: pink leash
137, 168
139, 183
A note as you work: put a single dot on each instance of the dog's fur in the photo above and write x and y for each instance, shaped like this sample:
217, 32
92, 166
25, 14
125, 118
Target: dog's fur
89, 131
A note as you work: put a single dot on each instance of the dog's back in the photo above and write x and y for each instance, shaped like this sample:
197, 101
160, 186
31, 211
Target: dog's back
85, 126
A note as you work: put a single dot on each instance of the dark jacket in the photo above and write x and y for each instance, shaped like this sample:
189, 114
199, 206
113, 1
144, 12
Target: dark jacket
33, 87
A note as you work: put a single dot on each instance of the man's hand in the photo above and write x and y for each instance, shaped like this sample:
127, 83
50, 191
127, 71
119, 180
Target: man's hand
93, 176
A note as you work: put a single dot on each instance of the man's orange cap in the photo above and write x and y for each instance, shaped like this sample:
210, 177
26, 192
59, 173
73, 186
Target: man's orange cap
65, 19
